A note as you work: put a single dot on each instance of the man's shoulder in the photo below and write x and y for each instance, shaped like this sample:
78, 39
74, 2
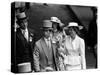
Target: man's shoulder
39, 41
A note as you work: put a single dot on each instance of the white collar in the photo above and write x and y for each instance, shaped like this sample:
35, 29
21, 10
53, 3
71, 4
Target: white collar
26, 30
46, 38
73, 39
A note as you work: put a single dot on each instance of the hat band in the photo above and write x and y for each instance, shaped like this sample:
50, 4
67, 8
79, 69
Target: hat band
22, 18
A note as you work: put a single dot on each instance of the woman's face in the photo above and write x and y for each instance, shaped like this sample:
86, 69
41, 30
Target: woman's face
54, 24
72, 32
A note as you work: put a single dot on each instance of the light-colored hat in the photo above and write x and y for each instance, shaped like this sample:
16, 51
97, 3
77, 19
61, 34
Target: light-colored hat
74, 24
24, 67
55, 19
21, 16
61, 24
49, 69
47, 24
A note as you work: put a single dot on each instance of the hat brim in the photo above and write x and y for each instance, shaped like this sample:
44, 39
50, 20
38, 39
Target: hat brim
80, 27
62, 25
22, 18
54, 21
45, 28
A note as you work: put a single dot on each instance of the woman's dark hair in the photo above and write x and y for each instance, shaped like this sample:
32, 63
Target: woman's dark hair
76, 29
59, 28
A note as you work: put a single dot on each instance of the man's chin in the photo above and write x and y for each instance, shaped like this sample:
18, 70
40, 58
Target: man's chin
47, 36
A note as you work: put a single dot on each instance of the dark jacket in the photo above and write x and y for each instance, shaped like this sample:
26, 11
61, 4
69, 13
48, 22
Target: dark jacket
24, 48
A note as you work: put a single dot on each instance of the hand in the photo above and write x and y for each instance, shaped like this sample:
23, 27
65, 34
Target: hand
61, 49
43, 70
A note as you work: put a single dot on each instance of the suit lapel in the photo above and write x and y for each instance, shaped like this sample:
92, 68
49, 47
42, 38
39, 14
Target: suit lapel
53, 49
21, 36
54, 54
29, 35
44, 46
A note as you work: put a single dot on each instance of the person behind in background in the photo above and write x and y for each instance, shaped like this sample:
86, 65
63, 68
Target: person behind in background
57, 29
58, 38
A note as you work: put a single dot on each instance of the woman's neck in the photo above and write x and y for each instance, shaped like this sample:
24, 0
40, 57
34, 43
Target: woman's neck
73, 37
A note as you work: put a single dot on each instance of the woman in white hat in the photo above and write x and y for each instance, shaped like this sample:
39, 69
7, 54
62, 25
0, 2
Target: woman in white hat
57, 38
74, 48
57, 29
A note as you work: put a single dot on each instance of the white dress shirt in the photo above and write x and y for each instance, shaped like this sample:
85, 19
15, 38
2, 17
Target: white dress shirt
25, 33
48, 42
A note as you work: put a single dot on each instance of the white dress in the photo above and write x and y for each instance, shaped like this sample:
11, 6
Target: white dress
75, 53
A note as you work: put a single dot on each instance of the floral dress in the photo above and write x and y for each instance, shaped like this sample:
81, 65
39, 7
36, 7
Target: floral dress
58, 39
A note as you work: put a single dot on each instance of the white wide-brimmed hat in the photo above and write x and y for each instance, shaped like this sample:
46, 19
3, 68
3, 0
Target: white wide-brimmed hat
74, 24
55, 19
61, 24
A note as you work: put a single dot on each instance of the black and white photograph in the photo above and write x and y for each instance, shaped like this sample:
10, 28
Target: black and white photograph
50, 37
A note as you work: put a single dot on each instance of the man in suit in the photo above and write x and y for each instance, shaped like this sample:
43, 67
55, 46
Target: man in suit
44, 54
24, 45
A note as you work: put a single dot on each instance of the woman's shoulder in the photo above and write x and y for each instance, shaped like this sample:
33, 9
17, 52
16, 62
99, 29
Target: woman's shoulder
80, 39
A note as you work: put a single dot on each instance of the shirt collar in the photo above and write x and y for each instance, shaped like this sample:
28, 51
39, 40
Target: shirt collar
24, 30
75, 38
46, 38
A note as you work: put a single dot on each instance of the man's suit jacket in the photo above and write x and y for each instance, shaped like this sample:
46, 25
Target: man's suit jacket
23, 50
40, 55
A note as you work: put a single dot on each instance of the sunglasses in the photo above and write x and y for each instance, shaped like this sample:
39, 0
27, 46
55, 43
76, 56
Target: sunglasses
47, 30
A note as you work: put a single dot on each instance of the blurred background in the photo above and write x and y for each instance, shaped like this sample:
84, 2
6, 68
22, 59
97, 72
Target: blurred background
85, 16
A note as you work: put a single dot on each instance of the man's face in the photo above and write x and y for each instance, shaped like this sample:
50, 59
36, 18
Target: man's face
23, 24
47, 33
